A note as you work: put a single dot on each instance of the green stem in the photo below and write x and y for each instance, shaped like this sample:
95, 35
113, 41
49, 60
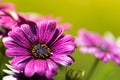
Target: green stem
93, 68
2, 57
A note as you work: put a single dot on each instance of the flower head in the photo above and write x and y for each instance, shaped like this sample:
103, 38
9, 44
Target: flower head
7, 6
11, 19
7, 18
94, 44
14, 74
36, 18
37, 49
6, 24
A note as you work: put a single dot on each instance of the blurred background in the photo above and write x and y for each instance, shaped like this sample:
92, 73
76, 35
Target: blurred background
94, 15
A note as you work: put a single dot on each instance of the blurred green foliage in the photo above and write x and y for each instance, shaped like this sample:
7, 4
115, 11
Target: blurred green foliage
94, 15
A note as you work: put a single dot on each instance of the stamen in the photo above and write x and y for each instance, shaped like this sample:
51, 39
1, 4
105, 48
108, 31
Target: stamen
41, 51
104, 48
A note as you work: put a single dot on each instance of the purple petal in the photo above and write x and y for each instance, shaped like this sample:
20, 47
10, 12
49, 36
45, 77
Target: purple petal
94, 50
56, 35
105, 59
115, 49
49, 74
52, 69
83, 38
29, 33
52, 66
6, 7
65, 48
40, 67
65, 26
41, 30
99, 55
5, 39
63, 39
21, 66
17, 52
19, 59
88, 39
84, 49
117, 60
46, 31
18, 36
29, 69
49, 32
62, 59
109, 55
9, 43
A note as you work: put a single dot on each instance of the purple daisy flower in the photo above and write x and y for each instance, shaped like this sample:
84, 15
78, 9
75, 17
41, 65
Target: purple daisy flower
8, 6
7, 18
37, 49
19, 75
66, 26
36, 18
94, 44
11, 19
6, 25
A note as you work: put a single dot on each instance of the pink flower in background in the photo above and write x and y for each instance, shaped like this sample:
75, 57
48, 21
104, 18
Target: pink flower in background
12, 19
7, 18
36, 18
96, 45
7, 6
6, 24
65, 26
111, 39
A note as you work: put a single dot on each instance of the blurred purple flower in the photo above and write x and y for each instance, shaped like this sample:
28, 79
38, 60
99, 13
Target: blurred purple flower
36, 18
12, 19
7, 18
94, 44
37, 49
7, 6
19, 75
6, 24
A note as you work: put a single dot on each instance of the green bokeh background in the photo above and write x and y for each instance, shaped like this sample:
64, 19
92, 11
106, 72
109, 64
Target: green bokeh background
94, 15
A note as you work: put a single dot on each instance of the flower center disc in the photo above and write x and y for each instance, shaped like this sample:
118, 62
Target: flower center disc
104, 48
41, 51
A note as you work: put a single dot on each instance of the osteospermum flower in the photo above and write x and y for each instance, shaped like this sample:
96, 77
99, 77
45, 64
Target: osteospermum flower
94, 44
14, 74
12, 19
7, 6
111, 38
7, 18
37, 49
6, 24
36, 18
66, 26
